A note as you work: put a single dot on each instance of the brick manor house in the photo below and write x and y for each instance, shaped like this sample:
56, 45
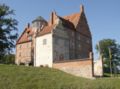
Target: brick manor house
64, 43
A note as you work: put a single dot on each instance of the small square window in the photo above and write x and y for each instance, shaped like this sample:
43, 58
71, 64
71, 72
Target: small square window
79, 46
88, 41
19, 54
20, 46
44, 41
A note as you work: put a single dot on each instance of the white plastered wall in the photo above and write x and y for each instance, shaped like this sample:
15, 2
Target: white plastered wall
43, 52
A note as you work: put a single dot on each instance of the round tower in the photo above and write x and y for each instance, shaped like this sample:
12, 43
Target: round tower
39, 23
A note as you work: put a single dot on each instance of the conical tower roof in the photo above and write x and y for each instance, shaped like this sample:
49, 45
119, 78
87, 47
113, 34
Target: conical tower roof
39, 18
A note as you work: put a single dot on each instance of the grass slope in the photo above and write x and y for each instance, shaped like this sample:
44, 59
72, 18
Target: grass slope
20, 77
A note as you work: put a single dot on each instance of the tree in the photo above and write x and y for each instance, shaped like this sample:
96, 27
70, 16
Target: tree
8, 30
109, 49
9, 59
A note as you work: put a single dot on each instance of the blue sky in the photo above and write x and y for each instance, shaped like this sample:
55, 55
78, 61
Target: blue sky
103, 15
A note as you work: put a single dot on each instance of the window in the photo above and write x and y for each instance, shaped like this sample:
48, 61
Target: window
56, 41
19, 54
27, 33
44, 41
79, 46
88, 41
20, 46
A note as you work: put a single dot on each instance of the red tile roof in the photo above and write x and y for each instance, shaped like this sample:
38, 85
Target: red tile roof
77, 19
24, 37
46, 30
67, 23
49, 28
74, 18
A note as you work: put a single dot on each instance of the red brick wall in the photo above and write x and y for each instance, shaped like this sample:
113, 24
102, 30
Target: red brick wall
23, 53
78, 67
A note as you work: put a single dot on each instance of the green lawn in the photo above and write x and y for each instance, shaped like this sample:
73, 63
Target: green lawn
20, 77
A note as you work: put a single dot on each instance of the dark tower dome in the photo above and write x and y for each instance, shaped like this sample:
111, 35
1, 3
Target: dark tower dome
39, 18
39, 23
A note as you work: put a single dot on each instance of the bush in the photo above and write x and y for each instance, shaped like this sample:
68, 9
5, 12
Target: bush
8, 59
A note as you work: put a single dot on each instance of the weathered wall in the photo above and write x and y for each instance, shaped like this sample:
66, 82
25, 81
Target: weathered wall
60, 43
23, 53
43, 52
83, 68
63, 42
82, 46
98, 68
83, 37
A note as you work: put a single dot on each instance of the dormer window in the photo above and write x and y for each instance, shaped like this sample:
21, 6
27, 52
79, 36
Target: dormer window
28, 32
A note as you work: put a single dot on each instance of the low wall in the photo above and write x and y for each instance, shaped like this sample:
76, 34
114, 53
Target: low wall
77, 67
98, 68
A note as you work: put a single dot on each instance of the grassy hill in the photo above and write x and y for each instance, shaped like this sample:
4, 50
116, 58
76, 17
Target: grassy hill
20, 77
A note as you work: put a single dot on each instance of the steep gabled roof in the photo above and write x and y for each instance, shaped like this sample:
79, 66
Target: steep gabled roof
24, 36
83, 26
67, 23
47, 29
73, 18
80, 22
76, 21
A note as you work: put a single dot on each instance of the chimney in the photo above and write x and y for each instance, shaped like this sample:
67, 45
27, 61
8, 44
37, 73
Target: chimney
81, 8
28, 25
53, 17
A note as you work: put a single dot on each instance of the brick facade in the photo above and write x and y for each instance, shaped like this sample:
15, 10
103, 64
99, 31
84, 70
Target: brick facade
78, 67
23, 54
